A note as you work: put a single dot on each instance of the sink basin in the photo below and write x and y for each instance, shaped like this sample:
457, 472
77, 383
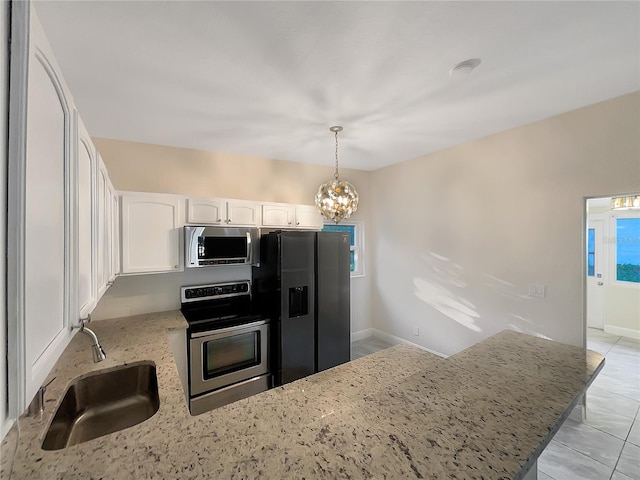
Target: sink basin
104, 402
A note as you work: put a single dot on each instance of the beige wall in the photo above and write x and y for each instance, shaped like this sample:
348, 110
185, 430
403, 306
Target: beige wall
154, 168
459, 235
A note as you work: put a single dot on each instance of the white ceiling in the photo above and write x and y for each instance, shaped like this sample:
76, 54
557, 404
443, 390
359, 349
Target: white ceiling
269, 78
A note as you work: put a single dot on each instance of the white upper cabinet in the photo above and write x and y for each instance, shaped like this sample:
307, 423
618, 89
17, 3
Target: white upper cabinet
278, 215
206, 212
111, 229
151, 233
48, 196
308, 217
282, 215
115, 234
102, 214
219, 211
87, 226
242, 213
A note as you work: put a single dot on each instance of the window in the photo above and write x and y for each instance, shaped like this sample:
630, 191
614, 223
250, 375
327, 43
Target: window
628, 250
356, 234
591, 252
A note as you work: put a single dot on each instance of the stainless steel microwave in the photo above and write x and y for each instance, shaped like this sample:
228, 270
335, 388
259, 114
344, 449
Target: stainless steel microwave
216, 246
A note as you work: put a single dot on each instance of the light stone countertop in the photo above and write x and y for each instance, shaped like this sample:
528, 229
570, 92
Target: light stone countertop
484, 413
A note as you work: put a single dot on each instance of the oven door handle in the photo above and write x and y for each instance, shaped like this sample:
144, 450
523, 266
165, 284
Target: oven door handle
244, 326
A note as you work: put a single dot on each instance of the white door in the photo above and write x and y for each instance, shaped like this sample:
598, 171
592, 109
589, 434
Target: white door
596, 272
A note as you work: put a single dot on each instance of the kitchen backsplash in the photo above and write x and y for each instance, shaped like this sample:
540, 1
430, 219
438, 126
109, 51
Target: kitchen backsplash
138, 294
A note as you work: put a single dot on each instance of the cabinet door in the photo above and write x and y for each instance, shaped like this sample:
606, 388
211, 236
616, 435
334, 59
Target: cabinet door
308, 217
206, 212
102, 244
242, 213
275, 215
111, 217
86, 191
48, 280
150, 232
115, 236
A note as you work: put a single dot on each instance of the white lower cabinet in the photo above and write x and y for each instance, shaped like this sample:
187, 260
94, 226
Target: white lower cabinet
151, 233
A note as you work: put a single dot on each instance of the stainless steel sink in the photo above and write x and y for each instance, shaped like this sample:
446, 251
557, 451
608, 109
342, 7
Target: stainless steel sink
104, 402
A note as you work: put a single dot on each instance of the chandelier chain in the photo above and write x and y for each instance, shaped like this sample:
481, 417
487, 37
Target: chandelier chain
335, 175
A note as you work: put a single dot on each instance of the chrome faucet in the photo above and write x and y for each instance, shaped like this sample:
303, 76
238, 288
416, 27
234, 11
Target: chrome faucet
96, 348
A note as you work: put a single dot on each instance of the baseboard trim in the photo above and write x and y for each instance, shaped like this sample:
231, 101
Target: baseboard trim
361, 334
393, 340
623, 332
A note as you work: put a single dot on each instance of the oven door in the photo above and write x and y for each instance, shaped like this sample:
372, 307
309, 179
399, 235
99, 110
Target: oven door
228, 355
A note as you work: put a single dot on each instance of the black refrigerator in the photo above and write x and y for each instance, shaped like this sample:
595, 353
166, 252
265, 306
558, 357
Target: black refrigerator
303, 285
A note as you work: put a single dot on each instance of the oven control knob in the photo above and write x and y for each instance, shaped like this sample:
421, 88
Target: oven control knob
188, 293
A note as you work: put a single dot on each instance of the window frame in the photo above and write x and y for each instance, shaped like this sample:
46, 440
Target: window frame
613, 250
591, 250
358, 245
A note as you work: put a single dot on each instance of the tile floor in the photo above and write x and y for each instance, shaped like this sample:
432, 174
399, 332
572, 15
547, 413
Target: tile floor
606, 446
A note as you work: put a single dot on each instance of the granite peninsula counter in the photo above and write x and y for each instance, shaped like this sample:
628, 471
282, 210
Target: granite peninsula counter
484, 413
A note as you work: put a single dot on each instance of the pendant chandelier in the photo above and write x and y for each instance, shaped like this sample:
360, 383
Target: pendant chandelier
623, 203
336, 199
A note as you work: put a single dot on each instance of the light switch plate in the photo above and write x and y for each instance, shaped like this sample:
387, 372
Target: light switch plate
537, 290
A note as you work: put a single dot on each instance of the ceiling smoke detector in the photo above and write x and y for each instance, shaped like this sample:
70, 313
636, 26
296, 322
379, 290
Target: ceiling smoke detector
465, 68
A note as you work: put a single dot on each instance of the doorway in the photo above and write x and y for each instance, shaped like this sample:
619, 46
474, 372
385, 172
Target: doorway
612, 268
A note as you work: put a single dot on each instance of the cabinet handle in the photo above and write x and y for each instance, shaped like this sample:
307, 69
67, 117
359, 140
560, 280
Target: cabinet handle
219, 220
289, 223
175, 266
297, 223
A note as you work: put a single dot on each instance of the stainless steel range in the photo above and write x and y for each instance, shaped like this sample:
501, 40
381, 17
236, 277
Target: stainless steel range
227, 345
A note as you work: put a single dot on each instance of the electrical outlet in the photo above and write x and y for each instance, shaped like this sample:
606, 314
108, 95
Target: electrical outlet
415, 331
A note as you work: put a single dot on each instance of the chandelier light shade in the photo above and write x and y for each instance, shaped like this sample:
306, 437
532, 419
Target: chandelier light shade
622, 203
336, 199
